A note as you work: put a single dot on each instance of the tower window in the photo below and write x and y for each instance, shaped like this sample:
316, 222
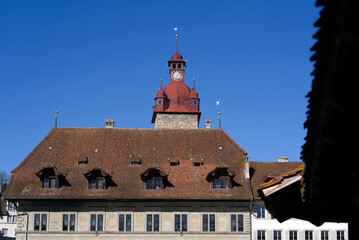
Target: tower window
179, 66
173, 66
195, 102
160, 101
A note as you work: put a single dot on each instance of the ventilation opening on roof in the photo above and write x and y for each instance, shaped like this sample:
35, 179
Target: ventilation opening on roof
135, 161
83, 160
198, 163
173, 162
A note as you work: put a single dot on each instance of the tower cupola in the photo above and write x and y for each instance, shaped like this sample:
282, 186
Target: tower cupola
176, 103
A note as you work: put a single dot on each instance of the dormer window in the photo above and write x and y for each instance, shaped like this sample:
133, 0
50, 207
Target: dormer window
221, 183
221, 178
50, 182
99, 179
154, 179
154, 183
51, 178
97, 183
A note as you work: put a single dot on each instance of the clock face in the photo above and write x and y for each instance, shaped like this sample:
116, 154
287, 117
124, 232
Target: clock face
176, 75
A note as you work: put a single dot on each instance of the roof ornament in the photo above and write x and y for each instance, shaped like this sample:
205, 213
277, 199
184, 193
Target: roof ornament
56, 112
96, 157
194, 81
176, 39
161, 83
219, 115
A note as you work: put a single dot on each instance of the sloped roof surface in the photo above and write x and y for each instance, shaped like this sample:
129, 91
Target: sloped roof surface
109, 150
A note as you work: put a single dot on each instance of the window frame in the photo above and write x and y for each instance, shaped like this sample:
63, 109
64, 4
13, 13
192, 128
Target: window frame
277, 237
69, 222
324, 237
293, 236
181, 221
125, 222
153, 179
97, 222
221, 180
339, 235
208, 222
260, 236
236, 224
42, 223
49, 185
261, 212
308, 236
152, 214
95, 182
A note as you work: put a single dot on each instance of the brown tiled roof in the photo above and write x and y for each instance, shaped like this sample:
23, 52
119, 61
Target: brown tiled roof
109, 149
262, 170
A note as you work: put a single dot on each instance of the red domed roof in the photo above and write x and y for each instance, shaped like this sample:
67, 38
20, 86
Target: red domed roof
193, 94
176, 57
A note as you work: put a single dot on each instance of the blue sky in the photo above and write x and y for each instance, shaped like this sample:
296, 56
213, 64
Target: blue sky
99, 60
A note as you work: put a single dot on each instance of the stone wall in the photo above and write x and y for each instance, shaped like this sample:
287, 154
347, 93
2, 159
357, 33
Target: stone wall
176, 121
139, 212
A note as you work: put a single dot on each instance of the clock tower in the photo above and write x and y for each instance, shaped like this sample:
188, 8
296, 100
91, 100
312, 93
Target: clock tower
176, 105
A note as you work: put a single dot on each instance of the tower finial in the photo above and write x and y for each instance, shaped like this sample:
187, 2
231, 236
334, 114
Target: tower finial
177, 43
176, 39
161, 83
194, 81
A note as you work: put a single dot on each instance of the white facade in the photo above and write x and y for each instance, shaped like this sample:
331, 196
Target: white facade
264, 227
8, 222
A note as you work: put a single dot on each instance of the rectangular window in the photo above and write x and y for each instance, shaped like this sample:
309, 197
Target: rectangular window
208, 222
72, 222
68, 222
293, 235
261, 213
324, 235
308, 235
153, 222
261, 235
50, 182
277, 235
156, 222
181, 222
99, 222
4, 232
340, 235
43, 222
125, 222
212, 223
40, 224
237, 223
205, 223
96, 222
37, 222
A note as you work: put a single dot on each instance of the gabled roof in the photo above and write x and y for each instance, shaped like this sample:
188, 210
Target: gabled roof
110, 149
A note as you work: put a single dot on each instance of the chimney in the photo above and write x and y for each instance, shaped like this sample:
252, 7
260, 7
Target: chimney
282, 159
109, 123
246, 167
208, 123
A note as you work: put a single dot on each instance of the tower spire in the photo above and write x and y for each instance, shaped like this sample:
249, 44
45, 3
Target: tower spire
176, 43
